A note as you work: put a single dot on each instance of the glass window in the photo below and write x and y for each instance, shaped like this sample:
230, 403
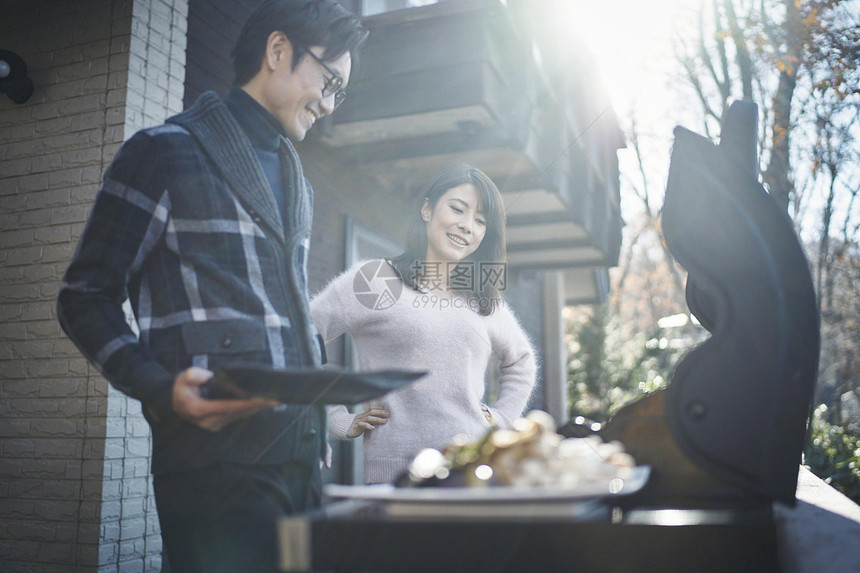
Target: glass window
371, 7
362, 243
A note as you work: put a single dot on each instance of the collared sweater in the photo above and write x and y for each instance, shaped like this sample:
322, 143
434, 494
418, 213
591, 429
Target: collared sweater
185, 227
395, 326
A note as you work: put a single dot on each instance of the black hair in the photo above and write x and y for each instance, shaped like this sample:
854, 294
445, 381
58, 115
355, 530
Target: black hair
492, 250
305, 23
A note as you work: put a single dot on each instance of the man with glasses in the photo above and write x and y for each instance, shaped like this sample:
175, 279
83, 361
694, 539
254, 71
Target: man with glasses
203, 224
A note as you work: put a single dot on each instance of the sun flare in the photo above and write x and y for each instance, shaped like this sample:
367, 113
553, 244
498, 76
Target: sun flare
631, 42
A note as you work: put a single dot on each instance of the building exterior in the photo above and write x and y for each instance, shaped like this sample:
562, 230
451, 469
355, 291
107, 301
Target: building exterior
459, 80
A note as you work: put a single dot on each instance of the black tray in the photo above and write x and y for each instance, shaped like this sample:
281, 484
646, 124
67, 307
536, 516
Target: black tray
305, 386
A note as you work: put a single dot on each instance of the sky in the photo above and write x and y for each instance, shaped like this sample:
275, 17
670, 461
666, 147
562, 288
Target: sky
632, 44
630, 40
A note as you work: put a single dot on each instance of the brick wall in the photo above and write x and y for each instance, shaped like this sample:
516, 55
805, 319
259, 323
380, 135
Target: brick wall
213, 26
75, 492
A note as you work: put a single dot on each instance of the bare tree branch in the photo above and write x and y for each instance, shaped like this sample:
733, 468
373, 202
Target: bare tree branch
776, 175
742, 54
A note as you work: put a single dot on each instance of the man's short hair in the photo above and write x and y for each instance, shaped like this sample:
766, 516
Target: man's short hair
305, 23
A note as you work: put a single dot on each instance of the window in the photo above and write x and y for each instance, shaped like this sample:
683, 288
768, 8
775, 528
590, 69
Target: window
362, 242
371, 7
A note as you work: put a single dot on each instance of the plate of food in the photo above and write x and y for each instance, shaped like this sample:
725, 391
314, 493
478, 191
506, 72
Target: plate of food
528, 470
589, 489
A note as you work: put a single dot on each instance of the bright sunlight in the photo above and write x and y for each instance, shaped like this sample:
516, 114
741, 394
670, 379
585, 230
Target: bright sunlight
632, 44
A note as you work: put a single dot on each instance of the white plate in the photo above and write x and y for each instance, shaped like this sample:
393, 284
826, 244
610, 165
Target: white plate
492, 494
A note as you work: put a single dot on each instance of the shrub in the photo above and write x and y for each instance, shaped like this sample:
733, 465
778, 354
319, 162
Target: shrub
832, 454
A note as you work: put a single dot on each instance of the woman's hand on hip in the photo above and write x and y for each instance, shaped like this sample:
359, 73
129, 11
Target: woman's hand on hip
374, 415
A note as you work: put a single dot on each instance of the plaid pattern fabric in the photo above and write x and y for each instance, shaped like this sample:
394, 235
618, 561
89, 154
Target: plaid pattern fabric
185, 226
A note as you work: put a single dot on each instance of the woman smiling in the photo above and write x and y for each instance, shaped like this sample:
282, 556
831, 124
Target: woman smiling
444, 314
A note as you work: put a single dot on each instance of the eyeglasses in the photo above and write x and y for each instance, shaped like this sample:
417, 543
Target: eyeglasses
332, 84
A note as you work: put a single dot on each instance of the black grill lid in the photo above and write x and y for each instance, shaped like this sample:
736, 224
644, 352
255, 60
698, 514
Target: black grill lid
738, 404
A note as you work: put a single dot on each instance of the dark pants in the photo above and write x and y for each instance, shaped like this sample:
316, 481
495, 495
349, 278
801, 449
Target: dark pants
223, 518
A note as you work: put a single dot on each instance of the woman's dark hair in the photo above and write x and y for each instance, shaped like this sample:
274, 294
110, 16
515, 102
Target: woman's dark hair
490, 256
305, 23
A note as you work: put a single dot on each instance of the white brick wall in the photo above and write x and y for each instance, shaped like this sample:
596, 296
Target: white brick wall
75, 491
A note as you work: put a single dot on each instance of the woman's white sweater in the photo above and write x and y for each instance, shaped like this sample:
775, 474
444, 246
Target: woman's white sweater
421, 331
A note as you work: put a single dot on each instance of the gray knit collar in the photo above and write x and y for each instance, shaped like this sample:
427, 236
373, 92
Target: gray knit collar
224, 141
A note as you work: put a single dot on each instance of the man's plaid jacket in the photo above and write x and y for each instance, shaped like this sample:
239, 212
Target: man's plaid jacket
186, 227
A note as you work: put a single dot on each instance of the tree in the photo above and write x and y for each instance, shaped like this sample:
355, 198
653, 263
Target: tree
769, 52
628, 346
799, 60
